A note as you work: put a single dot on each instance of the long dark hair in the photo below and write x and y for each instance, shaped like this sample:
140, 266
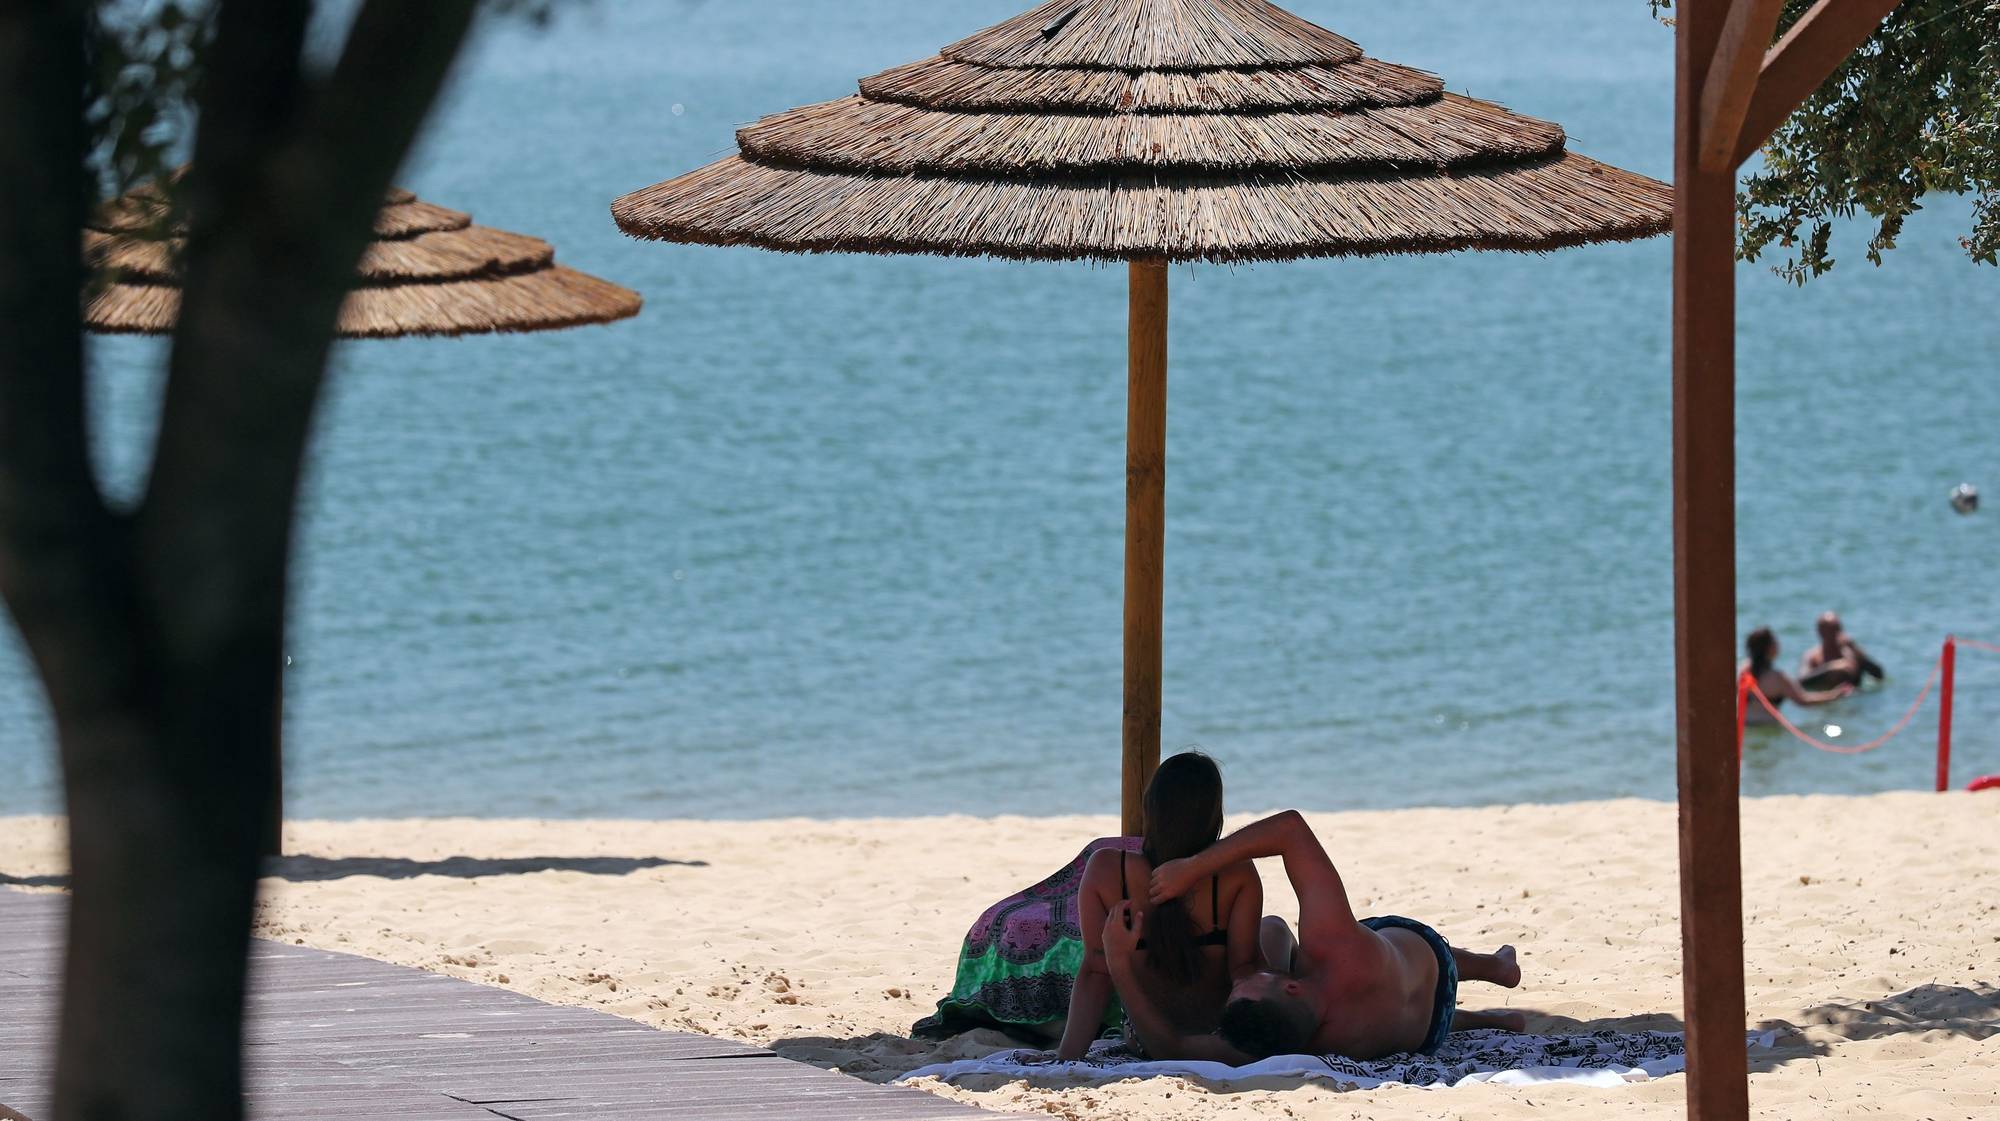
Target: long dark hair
1759, 645
1183, 817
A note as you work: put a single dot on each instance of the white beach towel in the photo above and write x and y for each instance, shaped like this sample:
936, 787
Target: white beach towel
1599, 1059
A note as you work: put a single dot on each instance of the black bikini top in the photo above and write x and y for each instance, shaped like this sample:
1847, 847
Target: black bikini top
1217, 937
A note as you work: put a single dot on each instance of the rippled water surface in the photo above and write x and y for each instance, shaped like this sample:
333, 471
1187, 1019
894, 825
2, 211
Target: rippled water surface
842, 535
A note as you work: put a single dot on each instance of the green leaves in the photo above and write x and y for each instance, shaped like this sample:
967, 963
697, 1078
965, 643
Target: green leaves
142, 66
145, 61
1916, 111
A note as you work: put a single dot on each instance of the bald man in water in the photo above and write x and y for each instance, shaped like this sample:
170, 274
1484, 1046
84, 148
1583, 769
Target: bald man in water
1363, 988
1837, 660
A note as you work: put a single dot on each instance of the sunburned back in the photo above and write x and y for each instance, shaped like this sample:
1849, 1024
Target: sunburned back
1378, 999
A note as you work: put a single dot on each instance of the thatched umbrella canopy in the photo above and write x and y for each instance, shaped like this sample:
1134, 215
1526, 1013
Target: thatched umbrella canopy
1151, 131
429, 271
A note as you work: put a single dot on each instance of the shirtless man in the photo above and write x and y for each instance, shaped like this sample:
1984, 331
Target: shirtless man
1351, 987
1837, 660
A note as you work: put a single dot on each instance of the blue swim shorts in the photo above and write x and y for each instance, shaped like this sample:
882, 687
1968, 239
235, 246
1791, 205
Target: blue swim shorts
1445, 1004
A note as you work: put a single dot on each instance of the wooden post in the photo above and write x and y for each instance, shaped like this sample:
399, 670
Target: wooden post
1145, 532
1717, 110
1704, 473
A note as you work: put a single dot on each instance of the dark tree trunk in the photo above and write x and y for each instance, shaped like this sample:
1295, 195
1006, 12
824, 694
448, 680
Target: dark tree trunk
156, 632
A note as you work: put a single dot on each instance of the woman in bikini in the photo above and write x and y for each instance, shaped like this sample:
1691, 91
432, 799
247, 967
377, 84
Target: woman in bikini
1196, 945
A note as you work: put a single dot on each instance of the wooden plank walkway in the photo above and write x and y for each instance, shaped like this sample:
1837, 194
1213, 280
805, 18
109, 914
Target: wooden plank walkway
333, 1035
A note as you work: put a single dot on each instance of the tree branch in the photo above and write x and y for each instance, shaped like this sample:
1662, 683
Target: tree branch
1809, 53
56, 566
266, 272
248, 99
395, 63
205, 533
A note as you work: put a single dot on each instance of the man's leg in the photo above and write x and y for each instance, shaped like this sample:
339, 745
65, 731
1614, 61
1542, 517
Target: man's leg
1497, 968
1473, 1021
1280, 947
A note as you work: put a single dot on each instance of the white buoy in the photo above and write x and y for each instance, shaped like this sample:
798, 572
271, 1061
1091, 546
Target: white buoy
1965, 498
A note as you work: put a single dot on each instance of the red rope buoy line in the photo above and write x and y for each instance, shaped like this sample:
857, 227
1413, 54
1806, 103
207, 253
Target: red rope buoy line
1942, 670
1749, 684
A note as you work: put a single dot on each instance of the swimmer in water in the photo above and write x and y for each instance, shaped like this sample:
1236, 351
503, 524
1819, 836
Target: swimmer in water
1838, 659
1776, 684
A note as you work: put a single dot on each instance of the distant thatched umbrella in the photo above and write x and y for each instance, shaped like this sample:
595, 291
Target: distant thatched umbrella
429, 271
1150, 131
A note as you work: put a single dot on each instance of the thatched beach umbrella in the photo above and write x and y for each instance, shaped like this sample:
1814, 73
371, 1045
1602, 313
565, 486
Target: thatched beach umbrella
429, 271
1150, 131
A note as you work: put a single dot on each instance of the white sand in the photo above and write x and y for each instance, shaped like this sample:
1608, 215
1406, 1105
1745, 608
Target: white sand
1873, 927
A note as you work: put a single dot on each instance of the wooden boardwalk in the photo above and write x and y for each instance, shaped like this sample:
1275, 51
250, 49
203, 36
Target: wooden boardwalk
334, 1035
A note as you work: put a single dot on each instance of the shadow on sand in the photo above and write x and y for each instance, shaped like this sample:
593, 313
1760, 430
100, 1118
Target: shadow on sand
1972, 1012
317, 869
313, 869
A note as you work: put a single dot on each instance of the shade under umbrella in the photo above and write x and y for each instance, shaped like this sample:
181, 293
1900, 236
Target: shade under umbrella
1151, 131
429, 271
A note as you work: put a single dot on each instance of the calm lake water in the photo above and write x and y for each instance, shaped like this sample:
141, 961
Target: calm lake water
842, 536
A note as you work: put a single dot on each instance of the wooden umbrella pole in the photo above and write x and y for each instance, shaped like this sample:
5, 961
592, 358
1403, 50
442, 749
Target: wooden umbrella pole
1704, 474
1145, 532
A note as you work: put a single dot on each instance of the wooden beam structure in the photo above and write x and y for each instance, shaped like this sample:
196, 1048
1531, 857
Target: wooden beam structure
1704, 474
1803, 60
1724, 110
1732, 78
1145, 533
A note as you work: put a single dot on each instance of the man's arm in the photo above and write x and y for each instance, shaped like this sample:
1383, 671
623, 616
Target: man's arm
1157, 1034
1866, 664
1323, 907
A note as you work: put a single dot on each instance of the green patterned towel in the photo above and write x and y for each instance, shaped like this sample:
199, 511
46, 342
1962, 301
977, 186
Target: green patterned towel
1020, 961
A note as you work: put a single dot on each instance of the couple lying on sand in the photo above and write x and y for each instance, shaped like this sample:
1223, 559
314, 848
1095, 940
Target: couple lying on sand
1178, 930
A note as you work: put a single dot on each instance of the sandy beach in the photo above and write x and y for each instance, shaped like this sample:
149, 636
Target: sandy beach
1873, 935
